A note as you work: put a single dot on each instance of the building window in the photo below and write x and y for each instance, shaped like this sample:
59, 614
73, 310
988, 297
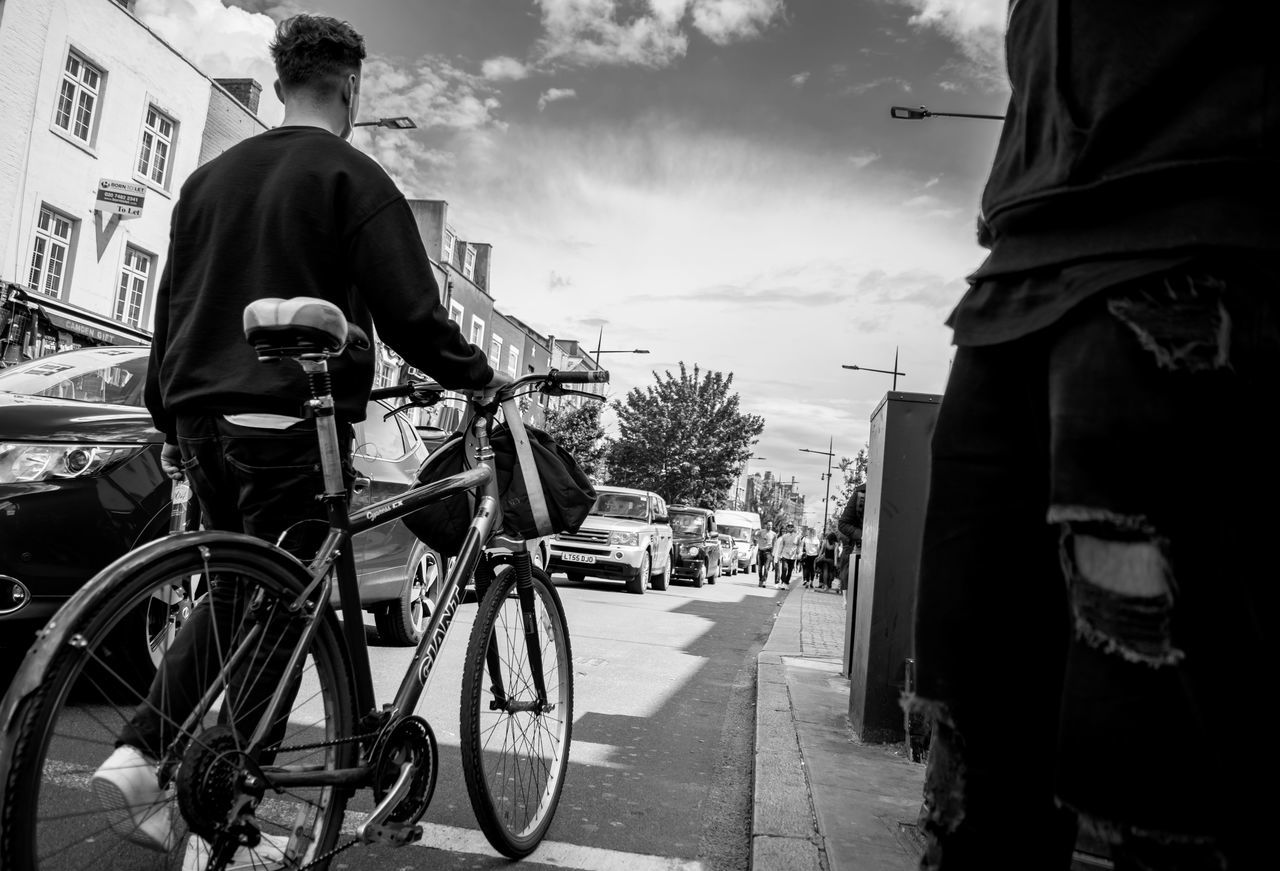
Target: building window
513, 360
456, 313
469, 261
132, 293
495, 352
385, 374
78, 99
157, 145
477, 331
49, 252
446, 246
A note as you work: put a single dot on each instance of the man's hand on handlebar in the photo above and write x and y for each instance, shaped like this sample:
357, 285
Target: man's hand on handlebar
489, 392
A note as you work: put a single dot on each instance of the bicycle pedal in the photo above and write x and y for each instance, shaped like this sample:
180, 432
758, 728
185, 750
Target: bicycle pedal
392, 834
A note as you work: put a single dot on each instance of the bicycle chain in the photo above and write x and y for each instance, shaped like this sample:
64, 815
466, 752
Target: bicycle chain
285, 748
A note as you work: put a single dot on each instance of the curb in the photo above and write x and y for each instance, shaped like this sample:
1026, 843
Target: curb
784, 831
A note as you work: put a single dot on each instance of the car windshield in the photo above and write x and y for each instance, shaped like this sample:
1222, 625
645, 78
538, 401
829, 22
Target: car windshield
690, 524
741, 533
102, 375
621, 505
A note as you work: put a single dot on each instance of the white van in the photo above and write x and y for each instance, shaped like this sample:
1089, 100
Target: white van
742, 525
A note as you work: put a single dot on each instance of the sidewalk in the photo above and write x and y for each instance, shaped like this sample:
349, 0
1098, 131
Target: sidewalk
823, 801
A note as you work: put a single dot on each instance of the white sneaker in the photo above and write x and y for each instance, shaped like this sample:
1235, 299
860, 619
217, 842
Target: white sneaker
126, 787
269, 855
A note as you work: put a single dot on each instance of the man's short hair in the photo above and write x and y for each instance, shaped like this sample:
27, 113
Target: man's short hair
316, 52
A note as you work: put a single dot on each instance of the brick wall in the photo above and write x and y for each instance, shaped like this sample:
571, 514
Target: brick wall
24, 27
227, 123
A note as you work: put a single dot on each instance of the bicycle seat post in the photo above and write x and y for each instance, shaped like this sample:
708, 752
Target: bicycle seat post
320, 406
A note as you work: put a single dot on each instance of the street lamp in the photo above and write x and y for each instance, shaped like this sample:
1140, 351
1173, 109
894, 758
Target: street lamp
826, 501
599, 352
906, 113
894, 371
399, 122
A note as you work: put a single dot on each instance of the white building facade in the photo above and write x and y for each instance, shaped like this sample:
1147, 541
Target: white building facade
92, 100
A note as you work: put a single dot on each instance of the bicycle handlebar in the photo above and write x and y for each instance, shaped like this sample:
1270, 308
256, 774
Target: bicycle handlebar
554, 378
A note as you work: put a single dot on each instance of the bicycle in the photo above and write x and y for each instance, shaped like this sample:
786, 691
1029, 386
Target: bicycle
268, 766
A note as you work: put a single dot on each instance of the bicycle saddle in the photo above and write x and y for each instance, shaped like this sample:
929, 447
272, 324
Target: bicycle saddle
302, 325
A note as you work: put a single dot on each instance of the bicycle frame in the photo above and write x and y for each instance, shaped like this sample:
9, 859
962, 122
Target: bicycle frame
335, 558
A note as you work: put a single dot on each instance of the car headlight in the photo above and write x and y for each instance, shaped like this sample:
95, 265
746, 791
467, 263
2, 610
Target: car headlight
628, 539
40, 461
692, 550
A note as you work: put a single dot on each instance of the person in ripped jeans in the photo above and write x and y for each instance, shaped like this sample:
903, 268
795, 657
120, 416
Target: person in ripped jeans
292, 212
1092, 614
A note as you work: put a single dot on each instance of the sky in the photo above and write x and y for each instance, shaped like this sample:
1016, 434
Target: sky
716, 181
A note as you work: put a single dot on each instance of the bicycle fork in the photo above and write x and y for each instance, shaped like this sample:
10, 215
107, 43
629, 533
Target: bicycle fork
522, 564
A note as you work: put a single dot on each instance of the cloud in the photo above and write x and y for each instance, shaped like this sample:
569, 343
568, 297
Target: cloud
800, 78
975, 26
863, 159
552, 95
276, 9
645, 33
863, 87
431, 90
504, 68
556, 281
223, 41
726, 21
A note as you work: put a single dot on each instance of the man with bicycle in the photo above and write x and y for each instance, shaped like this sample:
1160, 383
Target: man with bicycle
295, 211
764, 539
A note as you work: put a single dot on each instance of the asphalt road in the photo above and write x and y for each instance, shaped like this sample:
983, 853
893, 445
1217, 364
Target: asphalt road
663, 739
663, 736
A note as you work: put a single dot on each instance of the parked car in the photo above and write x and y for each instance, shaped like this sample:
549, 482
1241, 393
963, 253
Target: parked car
81, 484
696, 544
742, 525
626, 537
728, 554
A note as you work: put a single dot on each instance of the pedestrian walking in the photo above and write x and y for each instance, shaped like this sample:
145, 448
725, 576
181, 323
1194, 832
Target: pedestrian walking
810, 544
1131, 282
764, 540
788, 552
828, 553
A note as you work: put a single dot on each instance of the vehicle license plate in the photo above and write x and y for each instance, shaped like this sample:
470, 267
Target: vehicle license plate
587, 558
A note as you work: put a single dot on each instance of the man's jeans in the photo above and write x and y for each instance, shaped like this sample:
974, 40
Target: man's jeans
261, 482
1096, 572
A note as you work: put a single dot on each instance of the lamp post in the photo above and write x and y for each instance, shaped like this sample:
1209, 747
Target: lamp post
399, 122
894, 371
906, 113
826, 500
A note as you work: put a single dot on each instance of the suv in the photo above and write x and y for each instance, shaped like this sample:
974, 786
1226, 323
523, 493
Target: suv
625, 537
697, 544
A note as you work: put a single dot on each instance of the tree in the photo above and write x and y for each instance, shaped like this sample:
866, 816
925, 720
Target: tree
851, 472
578, 431
683, 438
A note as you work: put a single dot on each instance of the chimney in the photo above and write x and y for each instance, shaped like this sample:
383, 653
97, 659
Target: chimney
246, 91
483, 252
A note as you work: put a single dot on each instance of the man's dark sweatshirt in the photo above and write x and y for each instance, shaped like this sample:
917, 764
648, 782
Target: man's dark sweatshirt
295, 211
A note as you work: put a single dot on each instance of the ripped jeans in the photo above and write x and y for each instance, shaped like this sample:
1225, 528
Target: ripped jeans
1096, 570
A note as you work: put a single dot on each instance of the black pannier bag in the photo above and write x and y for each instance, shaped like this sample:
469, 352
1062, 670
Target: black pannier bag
567, 494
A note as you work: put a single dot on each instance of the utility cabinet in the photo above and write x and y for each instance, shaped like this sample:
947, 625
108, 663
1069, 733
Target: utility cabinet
881, 608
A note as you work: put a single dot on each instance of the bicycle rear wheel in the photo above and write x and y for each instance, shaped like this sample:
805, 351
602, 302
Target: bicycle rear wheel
515, 756
75, 695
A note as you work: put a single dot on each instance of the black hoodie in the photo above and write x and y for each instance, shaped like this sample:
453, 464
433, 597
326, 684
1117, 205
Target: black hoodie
295, 211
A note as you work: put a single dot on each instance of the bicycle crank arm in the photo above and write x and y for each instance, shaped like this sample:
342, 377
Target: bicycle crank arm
376, 830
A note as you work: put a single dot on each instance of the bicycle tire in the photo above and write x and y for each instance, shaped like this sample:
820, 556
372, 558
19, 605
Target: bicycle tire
514, 800
62, 718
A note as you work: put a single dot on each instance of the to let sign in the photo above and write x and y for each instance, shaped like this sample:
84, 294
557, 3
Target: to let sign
122, 197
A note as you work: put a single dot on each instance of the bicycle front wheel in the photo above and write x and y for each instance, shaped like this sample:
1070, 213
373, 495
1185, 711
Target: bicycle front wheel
77, 697
515, 748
